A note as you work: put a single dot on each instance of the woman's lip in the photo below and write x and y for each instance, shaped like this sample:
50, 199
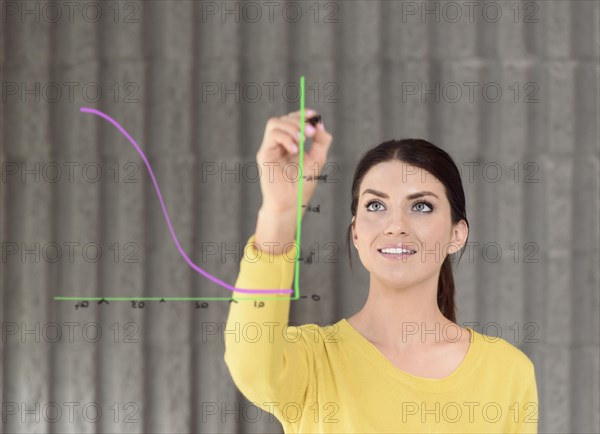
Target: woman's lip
396, 255
405, 246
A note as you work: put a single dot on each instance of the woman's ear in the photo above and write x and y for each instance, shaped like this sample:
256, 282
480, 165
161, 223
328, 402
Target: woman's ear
353, 233
453, 248
460, 234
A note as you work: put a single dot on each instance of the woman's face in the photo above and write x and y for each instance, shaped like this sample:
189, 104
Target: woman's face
389, 212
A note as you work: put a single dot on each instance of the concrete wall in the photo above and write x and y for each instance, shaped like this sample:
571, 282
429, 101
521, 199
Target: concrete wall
526, 140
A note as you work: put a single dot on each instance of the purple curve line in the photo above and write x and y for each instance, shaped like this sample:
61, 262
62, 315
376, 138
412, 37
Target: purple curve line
162, 204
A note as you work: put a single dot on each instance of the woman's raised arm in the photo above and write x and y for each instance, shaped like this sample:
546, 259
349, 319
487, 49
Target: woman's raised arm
270, 362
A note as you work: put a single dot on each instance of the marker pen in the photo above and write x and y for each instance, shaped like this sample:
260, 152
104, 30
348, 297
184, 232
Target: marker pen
314, 120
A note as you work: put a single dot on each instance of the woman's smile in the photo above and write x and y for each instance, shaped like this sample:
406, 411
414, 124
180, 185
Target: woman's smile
396, 254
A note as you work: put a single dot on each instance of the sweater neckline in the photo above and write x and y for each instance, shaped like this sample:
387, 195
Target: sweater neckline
464, 370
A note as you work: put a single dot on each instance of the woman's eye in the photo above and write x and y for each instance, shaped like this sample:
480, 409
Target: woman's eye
427, 204
373, 202
420, 208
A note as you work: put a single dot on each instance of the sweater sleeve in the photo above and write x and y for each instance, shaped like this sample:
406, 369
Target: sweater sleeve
526, 417
267, 361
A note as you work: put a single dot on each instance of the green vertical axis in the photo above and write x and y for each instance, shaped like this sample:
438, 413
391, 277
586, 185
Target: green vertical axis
300, 182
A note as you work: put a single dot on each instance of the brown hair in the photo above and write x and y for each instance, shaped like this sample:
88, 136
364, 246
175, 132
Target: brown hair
427, 156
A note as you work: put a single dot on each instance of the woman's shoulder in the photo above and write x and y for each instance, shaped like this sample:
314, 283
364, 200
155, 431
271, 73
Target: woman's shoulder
314, 336
497, 350
314, 331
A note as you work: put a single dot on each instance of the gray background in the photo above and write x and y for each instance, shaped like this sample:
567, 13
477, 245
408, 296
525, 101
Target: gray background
164, 368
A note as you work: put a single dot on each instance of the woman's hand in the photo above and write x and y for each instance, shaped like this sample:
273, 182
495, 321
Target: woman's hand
278, 159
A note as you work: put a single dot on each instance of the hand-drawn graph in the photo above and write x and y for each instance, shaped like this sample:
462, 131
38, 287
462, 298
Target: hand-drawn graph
196, 268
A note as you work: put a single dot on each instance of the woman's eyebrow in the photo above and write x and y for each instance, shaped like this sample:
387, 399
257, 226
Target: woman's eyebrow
409, 197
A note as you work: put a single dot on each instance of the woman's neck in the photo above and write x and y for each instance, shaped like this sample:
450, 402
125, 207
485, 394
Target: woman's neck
403, 317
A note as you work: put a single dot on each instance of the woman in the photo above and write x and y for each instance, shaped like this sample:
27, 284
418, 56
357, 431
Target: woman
402, 363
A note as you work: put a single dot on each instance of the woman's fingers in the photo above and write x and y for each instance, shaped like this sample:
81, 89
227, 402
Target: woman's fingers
285, 131
321, 144
309, 130
288, 126
286, 139
308, 113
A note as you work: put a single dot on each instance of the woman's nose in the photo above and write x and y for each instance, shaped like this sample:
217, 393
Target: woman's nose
397, 223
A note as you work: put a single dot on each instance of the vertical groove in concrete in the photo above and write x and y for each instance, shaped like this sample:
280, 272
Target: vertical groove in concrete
123, 214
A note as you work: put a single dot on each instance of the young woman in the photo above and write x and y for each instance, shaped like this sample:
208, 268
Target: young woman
402, 363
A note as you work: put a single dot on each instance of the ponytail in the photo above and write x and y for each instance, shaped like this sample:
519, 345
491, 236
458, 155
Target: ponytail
445, 294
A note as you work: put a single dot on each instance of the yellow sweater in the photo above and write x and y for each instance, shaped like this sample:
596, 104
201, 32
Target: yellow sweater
331, 379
